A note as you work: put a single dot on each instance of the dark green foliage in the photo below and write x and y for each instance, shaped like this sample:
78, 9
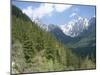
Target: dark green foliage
35, 50
87, 64
18, 13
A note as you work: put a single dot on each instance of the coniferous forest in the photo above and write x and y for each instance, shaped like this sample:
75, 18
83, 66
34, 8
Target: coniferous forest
36, 50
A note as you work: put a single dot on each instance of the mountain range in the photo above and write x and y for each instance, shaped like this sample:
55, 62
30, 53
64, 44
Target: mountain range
79, 35
75, 29
45, 48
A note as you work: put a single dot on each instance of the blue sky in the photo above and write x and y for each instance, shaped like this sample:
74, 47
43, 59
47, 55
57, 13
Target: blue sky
57, 14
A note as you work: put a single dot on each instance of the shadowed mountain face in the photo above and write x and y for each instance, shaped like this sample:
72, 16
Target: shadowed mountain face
60, 36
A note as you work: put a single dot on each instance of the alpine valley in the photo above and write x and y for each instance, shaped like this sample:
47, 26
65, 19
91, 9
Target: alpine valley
79, 35
41, 47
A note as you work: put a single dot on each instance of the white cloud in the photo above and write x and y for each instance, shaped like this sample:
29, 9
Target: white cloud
28, 11
39, 12
44, 10
75, 13
61, 7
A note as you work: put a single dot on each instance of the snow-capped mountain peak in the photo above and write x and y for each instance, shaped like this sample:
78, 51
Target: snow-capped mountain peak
75, 27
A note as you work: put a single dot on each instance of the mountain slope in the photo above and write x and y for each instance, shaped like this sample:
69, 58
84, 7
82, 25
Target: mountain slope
59, 35
84, 35
35, 50
85, 42
77, 33
89, 35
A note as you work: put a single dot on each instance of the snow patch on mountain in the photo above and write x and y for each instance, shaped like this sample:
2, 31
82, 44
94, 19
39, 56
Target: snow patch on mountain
75, 26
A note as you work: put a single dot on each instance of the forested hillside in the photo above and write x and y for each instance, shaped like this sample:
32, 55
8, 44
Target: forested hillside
35, 50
